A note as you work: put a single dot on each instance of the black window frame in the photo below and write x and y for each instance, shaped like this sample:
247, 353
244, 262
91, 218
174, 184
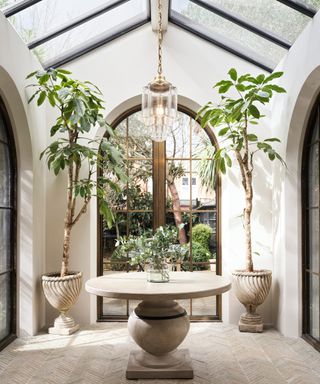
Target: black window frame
305, 224
13, 229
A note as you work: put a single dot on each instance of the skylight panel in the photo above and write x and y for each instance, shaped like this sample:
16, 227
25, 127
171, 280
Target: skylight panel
46, 16
271, 16
93, 33
226, 34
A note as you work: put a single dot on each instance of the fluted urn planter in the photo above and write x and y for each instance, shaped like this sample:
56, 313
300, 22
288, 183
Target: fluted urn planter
251, 289
62, 293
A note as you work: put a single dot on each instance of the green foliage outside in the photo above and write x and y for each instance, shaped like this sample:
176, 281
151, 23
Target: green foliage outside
199, 254
158, 248
201, 234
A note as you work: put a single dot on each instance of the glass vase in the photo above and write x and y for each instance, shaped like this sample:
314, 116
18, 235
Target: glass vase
158, 272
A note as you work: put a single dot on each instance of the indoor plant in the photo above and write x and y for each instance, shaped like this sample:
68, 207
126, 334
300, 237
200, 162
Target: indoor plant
233, 117
79, 107
153, 253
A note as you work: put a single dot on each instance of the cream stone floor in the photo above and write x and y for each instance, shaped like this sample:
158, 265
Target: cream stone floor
220, 354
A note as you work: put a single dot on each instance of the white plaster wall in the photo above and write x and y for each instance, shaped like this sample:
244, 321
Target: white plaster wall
290, 115
120, 69
28, 125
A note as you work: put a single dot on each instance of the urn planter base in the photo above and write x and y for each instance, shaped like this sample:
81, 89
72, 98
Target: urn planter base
251, 289
253, 323
64, 325
62, 293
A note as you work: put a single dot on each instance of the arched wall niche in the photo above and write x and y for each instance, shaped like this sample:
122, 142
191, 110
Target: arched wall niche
29, 315
291, 295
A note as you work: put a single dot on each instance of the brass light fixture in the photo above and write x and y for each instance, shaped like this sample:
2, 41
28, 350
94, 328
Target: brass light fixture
159, 97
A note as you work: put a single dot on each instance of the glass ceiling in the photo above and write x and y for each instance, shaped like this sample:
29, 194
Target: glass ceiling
260, 31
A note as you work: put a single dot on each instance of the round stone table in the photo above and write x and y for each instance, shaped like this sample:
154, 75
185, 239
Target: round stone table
158, 324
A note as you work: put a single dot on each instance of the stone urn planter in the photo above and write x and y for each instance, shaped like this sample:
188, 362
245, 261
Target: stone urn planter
251, 289
62, 293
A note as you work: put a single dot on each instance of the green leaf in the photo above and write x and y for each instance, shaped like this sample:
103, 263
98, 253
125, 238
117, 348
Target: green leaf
273, 76
51, 99
79, 107
233, 74
223, 131
43, 79
276, 88
228, 160
240, 87
222, 166
41, 98
260, 78
33, 96
254, 111
243, 77
273, 139
252, 137
64, 71
225, 88
31, 74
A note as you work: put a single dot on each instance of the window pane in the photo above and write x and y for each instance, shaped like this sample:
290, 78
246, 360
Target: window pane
313, 177
203, 197
48, 15
114, 307
178, 140
101, 27
205, 306
314, 240
178, 184
269, 15
139, 144
5, 305
3, 130
5, 238
4, 4
311, 3
226, 32
314, 312
140, 223
5, 176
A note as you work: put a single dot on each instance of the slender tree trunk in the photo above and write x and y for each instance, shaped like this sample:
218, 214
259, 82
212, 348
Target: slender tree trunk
247, 222
245, 163
66, 250
177, 210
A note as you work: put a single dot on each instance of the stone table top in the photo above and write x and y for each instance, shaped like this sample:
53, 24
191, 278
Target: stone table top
182, 285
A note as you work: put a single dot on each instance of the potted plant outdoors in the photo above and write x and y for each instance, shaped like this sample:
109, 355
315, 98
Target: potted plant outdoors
232, 117
79, 105
154, 253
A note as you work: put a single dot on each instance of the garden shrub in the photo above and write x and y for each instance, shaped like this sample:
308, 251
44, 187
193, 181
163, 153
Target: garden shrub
201, 234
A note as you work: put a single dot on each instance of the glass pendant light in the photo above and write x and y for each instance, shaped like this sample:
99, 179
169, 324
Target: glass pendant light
159, 98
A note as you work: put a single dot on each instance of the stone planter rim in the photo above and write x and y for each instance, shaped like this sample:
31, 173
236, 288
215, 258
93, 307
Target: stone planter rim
258, 272
55, 276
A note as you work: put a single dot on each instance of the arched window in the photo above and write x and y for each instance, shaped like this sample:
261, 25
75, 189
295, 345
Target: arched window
310, 226
7, 230
164, 188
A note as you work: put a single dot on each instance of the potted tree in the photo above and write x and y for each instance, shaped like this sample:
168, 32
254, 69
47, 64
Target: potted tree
79, 107
233, 117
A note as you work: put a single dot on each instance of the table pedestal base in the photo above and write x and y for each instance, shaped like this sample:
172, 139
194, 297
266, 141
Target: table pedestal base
173, 365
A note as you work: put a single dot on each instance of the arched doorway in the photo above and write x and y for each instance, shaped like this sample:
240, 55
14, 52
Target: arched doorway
7, 230
164, 188
310, 229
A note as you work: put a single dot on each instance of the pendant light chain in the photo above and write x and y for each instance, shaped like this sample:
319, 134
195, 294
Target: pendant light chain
160, 37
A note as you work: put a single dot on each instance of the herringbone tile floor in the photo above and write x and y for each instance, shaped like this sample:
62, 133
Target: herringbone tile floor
221, 355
